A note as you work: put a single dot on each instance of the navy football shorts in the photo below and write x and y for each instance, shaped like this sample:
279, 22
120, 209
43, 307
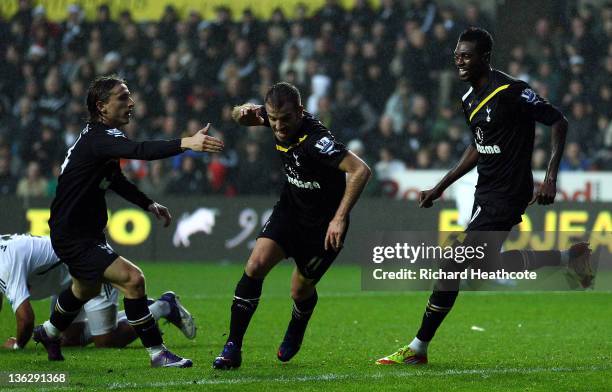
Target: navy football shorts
86, 258
305, 244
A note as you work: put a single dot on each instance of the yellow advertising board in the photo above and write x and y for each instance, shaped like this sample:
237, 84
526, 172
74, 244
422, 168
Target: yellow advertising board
152, 10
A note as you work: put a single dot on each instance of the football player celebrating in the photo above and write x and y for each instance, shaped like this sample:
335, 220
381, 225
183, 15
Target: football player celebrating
501, 112
309, 222
79, 217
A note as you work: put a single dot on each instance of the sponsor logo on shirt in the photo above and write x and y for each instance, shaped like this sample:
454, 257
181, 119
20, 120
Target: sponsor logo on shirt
479, 135
484, 149
494, 149
303, 184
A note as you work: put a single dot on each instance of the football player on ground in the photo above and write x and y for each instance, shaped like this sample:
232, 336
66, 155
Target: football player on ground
501, 112
30, 270
309, 222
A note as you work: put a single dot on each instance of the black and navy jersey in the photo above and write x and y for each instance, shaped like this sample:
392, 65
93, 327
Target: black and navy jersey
90, 168
502, 118
314, 185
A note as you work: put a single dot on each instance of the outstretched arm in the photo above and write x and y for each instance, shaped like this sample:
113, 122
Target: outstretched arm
358, 174
25, 324
202, 142
114, 144
466, 163
248, 114
548, 190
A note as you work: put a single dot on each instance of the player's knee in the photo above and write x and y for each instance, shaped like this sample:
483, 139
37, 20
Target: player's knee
135, 286
257, 267
302, 291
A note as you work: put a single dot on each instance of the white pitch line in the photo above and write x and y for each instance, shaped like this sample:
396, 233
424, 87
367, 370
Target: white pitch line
353, 294
339, 294
405, 373
399, 372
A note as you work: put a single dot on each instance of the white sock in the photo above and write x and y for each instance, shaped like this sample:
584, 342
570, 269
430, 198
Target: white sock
159, 309
121, 317
154, 350
51, 330
419, 346
565, 256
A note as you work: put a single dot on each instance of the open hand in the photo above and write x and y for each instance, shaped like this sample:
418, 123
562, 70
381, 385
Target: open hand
335, 231
203, 142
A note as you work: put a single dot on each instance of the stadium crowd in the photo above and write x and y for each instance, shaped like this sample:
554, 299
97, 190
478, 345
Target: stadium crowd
381, 78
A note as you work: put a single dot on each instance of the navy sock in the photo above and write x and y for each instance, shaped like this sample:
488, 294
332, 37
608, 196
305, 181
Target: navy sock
438, 306
302, 311
519, 260
66, 309
246, 299
141, 319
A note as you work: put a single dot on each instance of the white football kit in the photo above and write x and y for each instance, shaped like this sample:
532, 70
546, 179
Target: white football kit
30, 269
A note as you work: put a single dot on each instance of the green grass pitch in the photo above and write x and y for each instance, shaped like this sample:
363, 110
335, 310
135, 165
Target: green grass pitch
546, 341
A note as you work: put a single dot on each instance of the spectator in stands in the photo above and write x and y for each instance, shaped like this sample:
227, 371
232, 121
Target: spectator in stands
361, 12
111, 35
240, 64
539, 159
47, 150
252, 176
190, 180
301, 40
391, 14
398, 105
573, 158
581, 124
444, 156
423, 159
249, 27
352, 116
8, 182
384, 136
475, 17
424, 12
293, 61
156, 182
388, 166
390, 57
33, 184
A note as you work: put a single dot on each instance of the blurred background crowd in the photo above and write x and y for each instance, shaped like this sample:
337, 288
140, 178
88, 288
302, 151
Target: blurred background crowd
380, 77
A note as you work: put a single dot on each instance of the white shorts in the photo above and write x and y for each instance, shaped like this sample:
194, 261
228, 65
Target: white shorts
100, 313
